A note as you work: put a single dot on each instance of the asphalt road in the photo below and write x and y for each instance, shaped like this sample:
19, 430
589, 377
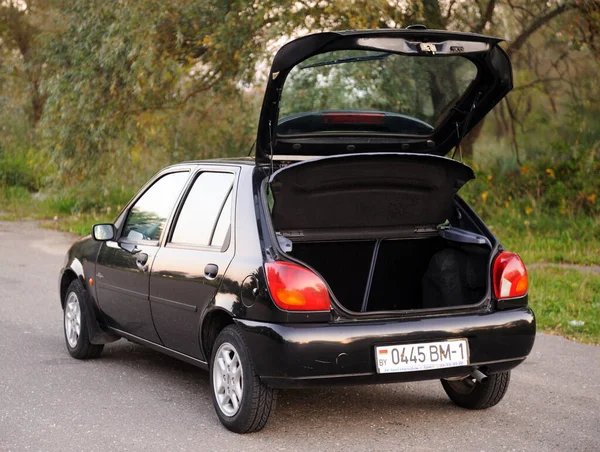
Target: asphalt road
133, 398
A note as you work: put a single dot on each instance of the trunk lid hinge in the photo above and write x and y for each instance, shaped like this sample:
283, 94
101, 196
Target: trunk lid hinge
425, 229
292, 233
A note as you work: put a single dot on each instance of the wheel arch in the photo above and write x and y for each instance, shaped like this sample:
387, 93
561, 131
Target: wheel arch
212, 324
66, 279
97, 333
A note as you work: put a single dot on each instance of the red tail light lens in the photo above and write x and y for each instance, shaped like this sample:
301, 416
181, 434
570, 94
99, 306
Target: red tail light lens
509, 276
296, 288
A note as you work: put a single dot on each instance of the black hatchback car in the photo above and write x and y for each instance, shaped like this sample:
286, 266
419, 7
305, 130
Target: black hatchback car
341, 253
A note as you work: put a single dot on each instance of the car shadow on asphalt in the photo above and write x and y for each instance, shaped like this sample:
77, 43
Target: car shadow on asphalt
395, 403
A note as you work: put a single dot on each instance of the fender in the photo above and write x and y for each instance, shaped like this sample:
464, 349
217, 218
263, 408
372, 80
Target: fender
75, 270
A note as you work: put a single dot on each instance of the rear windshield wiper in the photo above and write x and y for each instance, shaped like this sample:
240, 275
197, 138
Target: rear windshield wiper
379, 56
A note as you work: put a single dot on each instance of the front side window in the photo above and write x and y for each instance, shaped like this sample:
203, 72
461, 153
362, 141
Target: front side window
206, 213
148, 216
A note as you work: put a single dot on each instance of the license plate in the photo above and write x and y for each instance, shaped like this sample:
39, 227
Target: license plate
425, 356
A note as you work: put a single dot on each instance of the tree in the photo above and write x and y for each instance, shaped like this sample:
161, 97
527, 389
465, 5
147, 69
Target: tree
118, 79
518, 20
21, 26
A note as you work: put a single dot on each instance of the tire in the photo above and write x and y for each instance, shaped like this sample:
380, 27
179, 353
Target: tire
242, 402
75, 318
467, 393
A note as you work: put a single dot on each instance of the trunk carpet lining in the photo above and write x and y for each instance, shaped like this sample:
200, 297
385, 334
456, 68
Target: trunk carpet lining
408, 274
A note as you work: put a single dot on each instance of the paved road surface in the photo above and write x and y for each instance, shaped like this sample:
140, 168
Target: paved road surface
136, 399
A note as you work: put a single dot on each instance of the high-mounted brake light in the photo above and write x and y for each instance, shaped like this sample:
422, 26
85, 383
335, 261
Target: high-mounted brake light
509, 276
353, 118
296, 288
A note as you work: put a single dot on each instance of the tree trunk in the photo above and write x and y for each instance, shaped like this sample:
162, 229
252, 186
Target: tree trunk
37, 103
467, 143
432, 14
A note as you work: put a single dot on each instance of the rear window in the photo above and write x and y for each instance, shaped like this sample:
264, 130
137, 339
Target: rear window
366, 91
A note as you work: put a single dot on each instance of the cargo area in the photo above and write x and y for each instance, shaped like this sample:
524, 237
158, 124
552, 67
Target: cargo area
386, 231
404, 274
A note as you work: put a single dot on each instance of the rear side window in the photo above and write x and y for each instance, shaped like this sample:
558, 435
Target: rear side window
148, 216
205, 217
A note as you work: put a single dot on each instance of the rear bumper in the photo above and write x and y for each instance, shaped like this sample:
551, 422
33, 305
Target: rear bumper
323, 354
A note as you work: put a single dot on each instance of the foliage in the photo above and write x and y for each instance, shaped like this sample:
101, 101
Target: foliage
561, 298
563, 183
115, 81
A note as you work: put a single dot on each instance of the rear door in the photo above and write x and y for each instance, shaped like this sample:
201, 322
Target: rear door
122, 267
188, 270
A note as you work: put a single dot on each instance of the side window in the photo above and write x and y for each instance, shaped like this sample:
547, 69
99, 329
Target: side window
222, 227
205, 215
147, 217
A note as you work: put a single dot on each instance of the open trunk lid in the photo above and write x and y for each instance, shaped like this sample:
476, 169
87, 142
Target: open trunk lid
412, 90
366, 195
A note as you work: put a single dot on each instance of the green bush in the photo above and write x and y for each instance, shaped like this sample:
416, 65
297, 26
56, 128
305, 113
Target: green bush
564, 182
91, 198
16, 170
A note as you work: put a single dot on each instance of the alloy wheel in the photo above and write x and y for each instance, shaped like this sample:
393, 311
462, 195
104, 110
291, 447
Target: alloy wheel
72, 319
228, 379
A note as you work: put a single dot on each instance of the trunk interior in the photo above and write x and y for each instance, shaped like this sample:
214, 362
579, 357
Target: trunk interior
407, 274
385, 231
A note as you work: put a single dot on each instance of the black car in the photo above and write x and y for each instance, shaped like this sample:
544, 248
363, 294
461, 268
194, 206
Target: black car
340, 254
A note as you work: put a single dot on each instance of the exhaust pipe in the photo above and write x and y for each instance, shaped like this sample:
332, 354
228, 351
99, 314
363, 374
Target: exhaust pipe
479, 376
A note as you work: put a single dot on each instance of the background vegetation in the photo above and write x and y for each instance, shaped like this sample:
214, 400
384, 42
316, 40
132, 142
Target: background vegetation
97, 95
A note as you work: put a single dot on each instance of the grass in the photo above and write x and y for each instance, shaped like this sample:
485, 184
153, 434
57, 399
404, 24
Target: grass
545, 238
58, 211
79, 224
560, 296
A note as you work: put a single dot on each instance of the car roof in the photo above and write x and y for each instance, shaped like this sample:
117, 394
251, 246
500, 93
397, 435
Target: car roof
224, 160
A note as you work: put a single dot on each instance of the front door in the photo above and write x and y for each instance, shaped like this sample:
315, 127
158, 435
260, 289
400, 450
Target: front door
122, 267
188, 270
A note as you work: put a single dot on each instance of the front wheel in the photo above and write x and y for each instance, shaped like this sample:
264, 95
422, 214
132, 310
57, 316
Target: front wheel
242, 402
467, 393
75, 324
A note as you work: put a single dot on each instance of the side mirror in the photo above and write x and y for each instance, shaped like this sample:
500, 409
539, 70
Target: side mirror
103, 232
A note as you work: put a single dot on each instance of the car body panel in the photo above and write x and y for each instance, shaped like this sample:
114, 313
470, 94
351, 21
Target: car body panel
80, 264
122, 289
179, 292
297, 354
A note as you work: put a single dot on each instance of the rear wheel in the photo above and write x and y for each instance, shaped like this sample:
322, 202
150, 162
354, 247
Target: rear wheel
242, 402
75, 324
467, 393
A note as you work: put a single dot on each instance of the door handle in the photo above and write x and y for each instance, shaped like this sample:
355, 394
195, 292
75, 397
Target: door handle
141, 260
211, 271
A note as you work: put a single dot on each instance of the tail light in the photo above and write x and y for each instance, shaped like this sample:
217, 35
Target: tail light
296, 288
353, 118
509, 276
